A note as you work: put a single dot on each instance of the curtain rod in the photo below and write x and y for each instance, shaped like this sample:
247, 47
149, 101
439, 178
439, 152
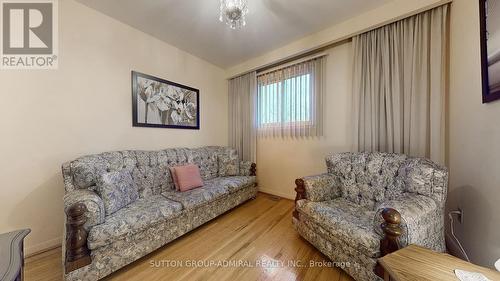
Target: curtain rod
340, 40
294, 62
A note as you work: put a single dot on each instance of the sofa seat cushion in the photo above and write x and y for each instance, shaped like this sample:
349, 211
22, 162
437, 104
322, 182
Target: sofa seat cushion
344, 221
234, 183
197, 197
141, 214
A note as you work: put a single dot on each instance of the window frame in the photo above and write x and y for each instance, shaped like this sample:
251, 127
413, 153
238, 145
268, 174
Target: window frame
281, 121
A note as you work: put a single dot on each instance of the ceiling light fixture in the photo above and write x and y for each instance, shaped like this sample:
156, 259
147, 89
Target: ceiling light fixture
233, 13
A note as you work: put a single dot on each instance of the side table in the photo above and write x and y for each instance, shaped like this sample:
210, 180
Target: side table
418, 263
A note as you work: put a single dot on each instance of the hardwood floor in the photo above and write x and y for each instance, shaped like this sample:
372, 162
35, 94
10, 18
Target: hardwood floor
257, 231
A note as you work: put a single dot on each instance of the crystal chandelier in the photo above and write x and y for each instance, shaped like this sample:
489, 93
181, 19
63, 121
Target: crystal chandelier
233, 12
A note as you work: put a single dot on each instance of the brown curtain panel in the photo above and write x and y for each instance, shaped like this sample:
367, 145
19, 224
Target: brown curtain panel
400, 85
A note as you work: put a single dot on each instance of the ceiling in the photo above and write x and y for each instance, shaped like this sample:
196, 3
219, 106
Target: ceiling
193, 25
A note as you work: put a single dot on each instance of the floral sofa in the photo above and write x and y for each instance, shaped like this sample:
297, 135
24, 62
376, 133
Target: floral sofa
98, 244
339, 212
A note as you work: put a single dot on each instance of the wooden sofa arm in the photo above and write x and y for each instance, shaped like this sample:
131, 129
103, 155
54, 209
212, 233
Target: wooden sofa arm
253, 169
77, 252
301, 194
392, 230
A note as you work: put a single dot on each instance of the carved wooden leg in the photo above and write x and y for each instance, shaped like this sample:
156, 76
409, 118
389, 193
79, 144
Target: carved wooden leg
253, 172
392, 231
253, 169
77, 253
301, 194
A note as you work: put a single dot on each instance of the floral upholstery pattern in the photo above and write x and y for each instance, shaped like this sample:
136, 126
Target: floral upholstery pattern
245, 168
321, 187
132, 219
424, 177
117, 190
149, 169
341, 214
229, 163
367, 178
360, 267
95, 206
364, 177
344, 221
161, 214
421, 221
207, 159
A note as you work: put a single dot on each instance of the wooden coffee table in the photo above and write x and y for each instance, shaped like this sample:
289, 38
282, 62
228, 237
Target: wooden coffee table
418, 263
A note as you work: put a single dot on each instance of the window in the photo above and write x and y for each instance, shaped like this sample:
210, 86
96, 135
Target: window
286, 101
289, 100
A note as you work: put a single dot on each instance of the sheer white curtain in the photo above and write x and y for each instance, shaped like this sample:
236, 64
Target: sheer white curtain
399, 86
242, 115
290, 100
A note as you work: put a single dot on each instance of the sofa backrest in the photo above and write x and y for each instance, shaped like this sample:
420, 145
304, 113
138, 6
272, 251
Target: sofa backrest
366, 178
149, 169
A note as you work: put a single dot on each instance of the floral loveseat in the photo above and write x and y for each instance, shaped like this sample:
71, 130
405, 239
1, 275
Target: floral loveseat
340, 212
98, 244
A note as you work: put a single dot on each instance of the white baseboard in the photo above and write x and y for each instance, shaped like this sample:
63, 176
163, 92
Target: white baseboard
43, 247
280, 194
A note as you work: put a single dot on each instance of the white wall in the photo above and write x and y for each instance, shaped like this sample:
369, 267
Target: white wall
49, 117
281, 161
474, 141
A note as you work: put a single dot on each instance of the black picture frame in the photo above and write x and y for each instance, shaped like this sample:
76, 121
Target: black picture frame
135, 103
488, 96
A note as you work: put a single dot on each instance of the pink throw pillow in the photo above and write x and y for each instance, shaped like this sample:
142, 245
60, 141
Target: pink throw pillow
174, 177
188, 177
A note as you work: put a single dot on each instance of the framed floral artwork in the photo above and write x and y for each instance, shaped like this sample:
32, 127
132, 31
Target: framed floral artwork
163, 104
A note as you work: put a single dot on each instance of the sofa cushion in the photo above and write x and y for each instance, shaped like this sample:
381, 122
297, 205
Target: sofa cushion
424, 177
149, 169
188, 177
346, 221
197, 197
245, 168
233, 183
229, 163
206, 159
367, 178
117, 190
143, 213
